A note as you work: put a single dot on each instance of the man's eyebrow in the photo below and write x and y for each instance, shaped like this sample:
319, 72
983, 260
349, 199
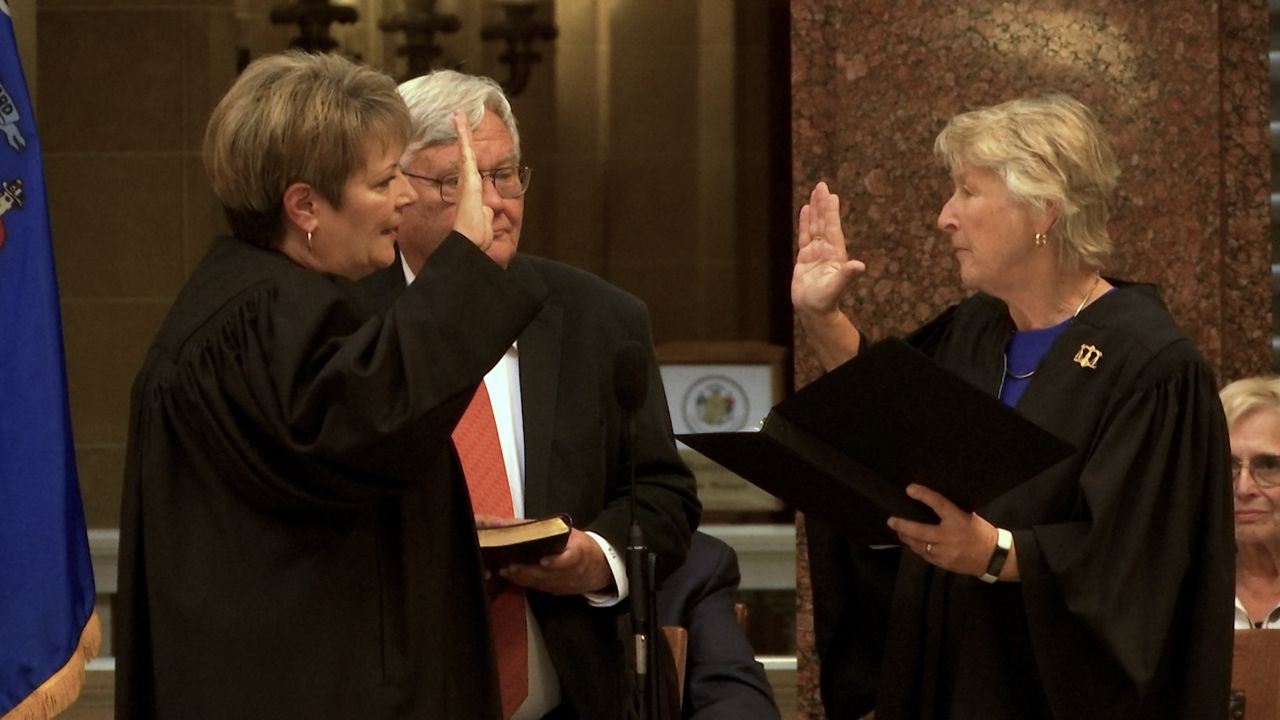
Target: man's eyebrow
508, 160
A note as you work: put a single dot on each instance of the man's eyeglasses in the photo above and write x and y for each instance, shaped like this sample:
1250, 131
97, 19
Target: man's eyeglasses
1264, 469
510, 182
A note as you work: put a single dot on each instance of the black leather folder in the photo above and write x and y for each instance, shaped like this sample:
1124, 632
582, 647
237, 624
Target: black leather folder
844, 447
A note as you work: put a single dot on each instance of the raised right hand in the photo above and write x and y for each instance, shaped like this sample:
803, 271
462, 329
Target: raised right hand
473, 218
823, 269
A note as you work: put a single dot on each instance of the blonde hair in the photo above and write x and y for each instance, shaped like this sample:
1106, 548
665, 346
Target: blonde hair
1047, 149
1243, 397
296, 117
433, 97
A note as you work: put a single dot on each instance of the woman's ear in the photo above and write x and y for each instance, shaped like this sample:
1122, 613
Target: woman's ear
300, 206
1049, 216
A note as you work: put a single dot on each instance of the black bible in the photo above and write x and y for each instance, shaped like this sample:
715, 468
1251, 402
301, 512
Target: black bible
844, 448
524, 542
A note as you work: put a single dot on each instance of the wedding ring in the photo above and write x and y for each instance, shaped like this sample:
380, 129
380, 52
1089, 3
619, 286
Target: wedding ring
928, 548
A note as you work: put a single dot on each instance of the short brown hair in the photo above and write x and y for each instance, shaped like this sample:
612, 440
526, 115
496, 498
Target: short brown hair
296, 117
1048, 148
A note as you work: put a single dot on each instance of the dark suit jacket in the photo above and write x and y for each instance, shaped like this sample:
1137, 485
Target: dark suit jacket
573, 430
722, 679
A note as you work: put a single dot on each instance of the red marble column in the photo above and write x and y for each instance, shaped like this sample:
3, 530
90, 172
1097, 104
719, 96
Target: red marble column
1181, 86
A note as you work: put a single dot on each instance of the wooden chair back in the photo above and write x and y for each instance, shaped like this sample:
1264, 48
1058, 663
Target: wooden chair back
678, 641
1255, 669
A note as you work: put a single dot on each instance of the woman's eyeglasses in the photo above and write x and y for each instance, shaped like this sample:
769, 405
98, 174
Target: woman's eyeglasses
1264, 469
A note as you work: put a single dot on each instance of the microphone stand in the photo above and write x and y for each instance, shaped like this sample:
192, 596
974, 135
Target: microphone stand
630, 383
640, 574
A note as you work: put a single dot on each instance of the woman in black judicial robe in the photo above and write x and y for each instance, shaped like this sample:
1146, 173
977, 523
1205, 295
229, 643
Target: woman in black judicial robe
1100, 588
296, 538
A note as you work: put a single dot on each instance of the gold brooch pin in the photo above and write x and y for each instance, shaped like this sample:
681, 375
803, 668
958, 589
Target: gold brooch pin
1087, 357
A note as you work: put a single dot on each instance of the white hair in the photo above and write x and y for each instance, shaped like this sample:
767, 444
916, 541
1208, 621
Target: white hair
433, 97
1046, 149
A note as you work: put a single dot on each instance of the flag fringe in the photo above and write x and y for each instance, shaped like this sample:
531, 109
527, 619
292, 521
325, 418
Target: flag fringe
63, 687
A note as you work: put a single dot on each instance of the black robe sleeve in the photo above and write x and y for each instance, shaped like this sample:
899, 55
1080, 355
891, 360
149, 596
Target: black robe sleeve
292, 375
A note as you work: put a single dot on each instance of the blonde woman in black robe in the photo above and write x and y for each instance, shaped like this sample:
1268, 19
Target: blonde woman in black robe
1100, 588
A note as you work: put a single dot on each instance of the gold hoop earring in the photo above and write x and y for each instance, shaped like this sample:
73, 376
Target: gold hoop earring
1041, 239
308, 241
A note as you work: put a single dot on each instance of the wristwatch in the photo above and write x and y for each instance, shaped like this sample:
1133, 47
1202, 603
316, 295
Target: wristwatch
1004, 541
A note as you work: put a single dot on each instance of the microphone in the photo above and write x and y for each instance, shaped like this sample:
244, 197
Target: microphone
630, 386
630, 376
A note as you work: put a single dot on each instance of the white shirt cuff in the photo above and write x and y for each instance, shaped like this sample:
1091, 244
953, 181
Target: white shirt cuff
619, 569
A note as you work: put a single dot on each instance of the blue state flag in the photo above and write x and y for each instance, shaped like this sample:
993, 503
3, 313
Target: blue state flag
47, 627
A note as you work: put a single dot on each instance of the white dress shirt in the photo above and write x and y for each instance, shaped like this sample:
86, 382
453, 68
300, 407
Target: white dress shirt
1270, 622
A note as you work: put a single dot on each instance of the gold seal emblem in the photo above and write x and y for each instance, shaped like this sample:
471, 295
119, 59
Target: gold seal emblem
715, 403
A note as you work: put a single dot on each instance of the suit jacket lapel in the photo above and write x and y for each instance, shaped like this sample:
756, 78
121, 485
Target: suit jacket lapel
539, 379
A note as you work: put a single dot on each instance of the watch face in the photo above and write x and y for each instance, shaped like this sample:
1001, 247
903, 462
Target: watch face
715, 403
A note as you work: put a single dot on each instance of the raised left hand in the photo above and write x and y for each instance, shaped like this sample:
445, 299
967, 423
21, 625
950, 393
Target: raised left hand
961, 542
580, 568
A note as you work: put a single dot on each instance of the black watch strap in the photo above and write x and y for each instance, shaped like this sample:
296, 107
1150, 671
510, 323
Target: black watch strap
1004, 541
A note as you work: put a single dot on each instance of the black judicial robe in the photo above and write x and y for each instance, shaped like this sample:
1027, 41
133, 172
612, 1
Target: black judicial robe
296, 537
1125, 549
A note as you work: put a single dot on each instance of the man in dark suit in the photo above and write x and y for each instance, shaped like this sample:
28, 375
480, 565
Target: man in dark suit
722, 680
554, 406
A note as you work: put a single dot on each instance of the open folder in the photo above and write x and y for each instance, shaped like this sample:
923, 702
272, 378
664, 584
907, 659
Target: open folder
844, 448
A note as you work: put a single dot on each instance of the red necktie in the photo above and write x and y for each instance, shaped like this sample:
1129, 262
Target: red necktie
476, 438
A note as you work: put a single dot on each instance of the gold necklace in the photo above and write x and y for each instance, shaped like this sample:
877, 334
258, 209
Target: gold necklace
1029, 373
1092, 287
